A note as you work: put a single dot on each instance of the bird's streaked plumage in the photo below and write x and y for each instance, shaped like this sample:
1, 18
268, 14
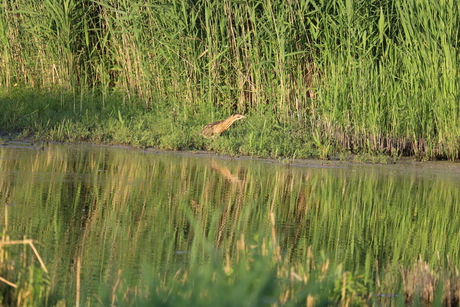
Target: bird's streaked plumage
216, 128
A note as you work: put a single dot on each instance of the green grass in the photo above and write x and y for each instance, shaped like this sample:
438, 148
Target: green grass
319, 78
48, 117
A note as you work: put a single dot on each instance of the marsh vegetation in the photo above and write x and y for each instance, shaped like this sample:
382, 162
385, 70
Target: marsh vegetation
374, 80
315, 78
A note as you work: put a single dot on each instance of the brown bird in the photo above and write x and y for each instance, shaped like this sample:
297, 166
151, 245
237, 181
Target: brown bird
216, 128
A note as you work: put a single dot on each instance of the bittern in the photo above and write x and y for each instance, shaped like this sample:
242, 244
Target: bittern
216, 128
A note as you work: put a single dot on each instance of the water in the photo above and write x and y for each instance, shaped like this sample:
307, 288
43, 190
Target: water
124, 212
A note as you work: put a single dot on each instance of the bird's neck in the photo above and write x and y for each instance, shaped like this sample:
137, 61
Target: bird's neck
228, 122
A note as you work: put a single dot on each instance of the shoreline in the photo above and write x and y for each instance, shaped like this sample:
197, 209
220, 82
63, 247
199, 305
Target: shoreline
350, 160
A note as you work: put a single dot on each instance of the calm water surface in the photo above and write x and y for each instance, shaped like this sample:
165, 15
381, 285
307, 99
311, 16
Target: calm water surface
126, 211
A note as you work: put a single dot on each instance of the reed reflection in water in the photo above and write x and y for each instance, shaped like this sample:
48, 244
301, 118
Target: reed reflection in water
137, 211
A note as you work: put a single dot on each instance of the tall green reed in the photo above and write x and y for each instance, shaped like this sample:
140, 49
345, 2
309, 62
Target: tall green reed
361, 76
391, 86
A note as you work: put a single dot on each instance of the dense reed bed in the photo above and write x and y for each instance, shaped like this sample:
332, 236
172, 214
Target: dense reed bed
331, 76
338, 76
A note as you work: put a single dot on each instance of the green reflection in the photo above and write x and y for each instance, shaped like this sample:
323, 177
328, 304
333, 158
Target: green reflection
126, 212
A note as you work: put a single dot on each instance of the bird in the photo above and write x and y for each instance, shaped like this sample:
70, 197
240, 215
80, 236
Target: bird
216, 128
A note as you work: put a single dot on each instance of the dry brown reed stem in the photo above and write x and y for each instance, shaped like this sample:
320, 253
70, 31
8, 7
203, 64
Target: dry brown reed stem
31, 243
422, 282
377, 274
8, 282
115, 287
344, 286
77, 300
276, 247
